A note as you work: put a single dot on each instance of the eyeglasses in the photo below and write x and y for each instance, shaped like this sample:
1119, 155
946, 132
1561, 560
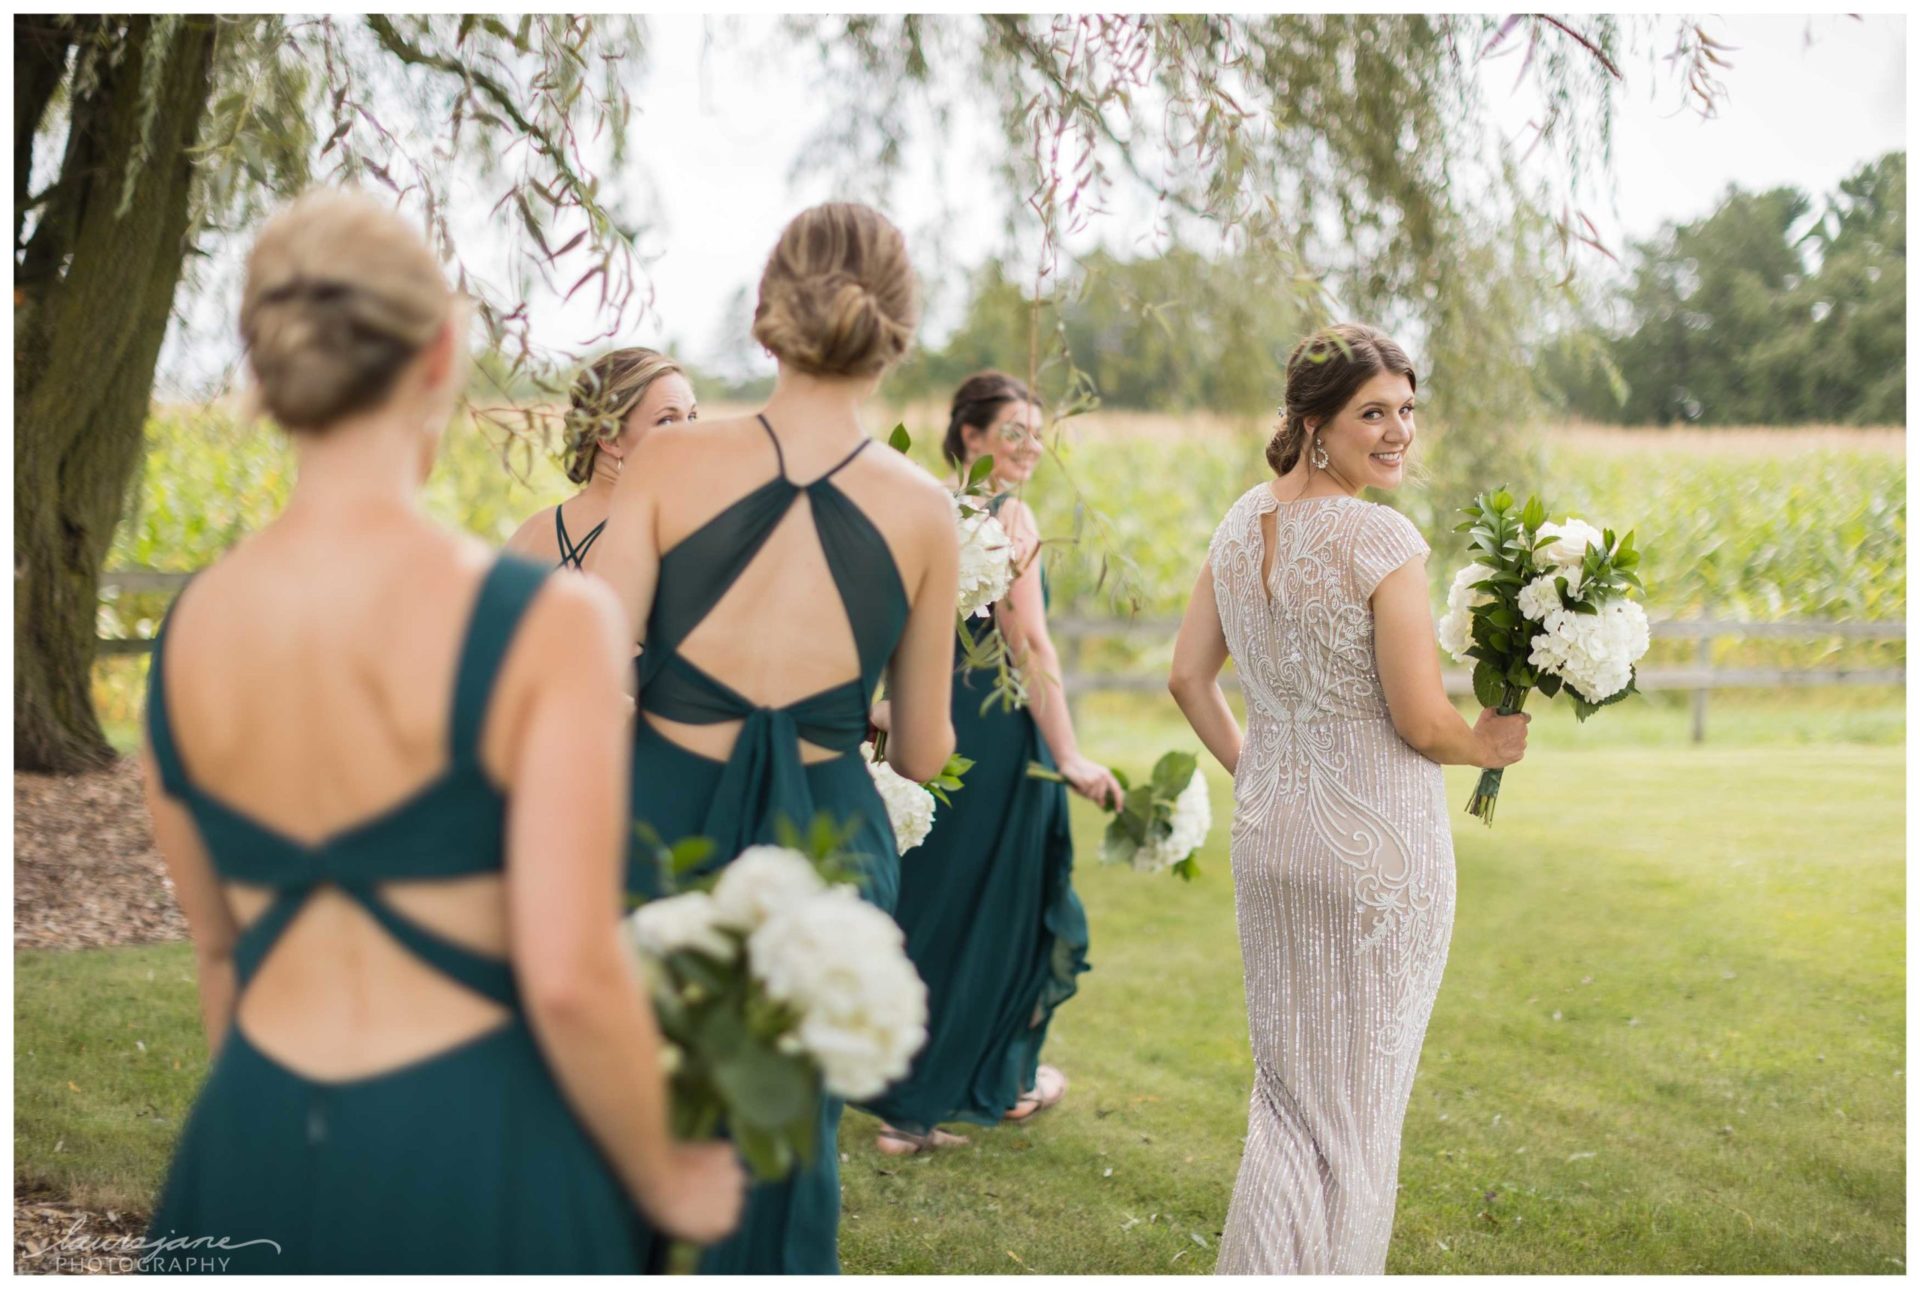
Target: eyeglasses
1013, 434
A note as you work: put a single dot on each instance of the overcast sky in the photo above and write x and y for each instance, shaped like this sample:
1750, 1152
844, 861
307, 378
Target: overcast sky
717, 134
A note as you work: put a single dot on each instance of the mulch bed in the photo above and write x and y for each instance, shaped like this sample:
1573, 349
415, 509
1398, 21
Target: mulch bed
85, 873
51, 1238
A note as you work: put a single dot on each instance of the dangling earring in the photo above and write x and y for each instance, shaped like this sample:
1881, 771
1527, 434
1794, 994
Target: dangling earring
1319, 454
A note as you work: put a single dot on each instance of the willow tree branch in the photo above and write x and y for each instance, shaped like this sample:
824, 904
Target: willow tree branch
408, 52
1582, 41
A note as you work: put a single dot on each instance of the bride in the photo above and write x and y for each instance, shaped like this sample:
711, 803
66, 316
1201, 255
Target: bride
1342, 858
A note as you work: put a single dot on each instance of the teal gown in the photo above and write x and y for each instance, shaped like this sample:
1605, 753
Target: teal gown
467, 1161
791, 1226
992, 921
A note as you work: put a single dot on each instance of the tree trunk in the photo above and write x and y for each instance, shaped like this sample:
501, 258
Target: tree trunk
93, 290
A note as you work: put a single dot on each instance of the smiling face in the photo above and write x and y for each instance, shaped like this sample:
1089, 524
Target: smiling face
1012, 438
1367, 440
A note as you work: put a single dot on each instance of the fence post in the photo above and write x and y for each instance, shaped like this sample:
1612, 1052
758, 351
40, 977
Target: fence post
1703, 658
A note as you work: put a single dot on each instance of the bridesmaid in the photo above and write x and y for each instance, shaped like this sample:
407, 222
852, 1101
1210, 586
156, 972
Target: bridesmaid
987, 902
431, 1051
620, 398
774, 567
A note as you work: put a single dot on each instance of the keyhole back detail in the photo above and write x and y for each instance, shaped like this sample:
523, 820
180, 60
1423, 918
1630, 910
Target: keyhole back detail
753, 592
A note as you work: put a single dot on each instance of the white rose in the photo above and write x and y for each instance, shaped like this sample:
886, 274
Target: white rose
1571, 540
682, 922
760, 882
1461, 594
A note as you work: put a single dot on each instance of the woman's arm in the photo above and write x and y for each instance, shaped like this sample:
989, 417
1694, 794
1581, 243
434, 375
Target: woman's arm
1199, 653
197, 889
918, 714
1403, 642
565, 761
1022, 619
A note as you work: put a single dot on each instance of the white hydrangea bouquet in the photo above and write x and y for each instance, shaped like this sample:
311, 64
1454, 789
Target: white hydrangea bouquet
1542, 606
775, 985
986, 555
1163, 822
910, 805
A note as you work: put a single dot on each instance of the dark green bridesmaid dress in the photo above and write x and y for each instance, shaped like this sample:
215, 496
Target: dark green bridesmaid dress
466, 1161
791, 1226
992, 921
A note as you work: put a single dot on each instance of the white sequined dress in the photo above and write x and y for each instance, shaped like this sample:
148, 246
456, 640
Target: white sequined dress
1343, 884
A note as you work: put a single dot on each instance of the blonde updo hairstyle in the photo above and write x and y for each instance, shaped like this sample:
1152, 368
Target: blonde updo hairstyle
341, 294
603, 397
838, 296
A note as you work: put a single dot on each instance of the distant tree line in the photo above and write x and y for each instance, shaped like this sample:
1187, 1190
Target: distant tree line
1772, 310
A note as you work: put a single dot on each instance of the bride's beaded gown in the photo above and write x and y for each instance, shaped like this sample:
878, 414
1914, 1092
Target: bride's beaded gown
1343, 882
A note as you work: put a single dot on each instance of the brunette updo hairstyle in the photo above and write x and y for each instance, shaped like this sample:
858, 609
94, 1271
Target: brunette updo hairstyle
341, 293
976, 403
603, 396
838, 296
1324, 372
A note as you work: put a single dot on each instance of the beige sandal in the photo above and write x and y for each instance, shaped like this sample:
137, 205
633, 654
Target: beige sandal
1049, 1087
898, 1141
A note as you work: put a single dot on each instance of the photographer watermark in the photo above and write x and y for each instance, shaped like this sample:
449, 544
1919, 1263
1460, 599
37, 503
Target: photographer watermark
77, 1251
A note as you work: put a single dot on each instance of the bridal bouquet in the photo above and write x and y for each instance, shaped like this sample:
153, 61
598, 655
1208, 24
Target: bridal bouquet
775, 987
1543, 606
1164, 821
909, 804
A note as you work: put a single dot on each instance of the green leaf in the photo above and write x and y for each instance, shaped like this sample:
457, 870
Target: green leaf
982, 470
900, 440
765, 1088
1487, 685
1118, 846
1501, 616
1549, 684
688, 854
1173, 772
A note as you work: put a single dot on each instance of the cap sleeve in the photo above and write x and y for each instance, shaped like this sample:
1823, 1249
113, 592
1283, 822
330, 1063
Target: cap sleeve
1387, 540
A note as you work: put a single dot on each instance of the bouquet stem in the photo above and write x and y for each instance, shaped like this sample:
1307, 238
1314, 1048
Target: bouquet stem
694, 1119
1487, 791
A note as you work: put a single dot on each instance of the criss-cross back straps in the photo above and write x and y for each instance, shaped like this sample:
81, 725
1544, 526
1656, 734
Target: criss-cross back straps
487, 976
572, 555
351, 865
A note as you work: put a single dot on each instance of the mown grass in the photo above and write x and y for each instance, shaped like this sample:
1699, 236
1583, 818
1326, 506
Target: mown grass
1670, 1039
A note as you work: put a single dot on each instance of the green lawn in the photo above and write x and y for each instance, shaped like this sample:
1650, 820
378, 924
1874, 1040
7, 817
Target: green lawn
1671, 1036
